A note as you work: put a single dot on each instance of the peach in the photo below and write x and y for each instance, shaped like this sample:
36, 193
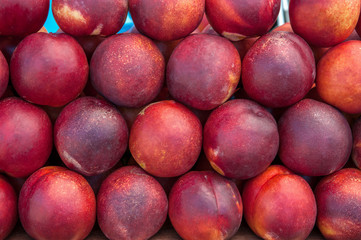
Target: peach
338, 199
4, 74
324, 23
235, 19
338, 79
8, 208
240, 139
57, 72
166, 20
356, 147
166, 139
91, 17
131, 205
203, 71
56, 203
90, 135
26, 137
278, 70
204, 205
279, 205
21, 18
128, 70
315, 138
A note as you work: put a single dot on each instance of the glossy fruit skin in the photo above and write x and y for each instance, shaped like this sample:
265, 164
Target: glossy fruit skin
205, 205
56, 203
4, 74
8, 208
131, 205
21, 18
90, 136
57, 73
27, 137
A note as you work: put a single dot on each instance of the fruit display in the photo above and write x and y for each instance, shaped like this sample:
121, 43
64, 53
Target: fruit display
180, 119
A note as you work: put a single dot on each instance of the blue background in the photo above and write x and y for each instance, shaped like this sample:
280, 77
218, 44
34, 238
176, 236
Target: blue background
52, 26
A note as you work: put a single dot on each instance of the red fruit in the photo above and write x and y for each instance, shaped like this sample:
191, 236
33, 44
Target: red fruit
56, 203
57, 72
204, 205
21, 18
356, 147
8, 208
166, 139
131, 205
4, 74
8, 45
26, 137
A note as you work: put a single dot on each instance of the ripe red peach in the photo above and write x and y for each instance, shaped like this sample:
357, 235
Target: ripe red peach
203, 71
235, 19
166, 139
204, 205
166, 20
339, 205
26, 137
279, 205
4, 74
57, 72
240, 139
339, 77
21, 18
315, 138
278, 70
324, 23
8, 208
131, 205
128, 70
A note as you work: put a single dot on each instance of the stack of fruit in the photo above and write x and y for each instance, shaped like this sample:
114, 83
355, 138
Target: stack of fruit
202, 112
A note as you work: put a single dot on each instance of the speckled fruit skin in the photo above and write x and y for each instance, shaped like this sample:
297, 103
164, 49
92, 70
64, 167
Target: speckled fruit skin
166, 20
4, 74
339, 77
204, 205
128, 70
356, 147
21, 18
279, 205
315, 138
278, 70
324, 23
203, 71
56, 203
90, 17
166, 139
90, 136
8, 208
339, 205
131, 205
237, 19
240, 139
57, 72
26, 133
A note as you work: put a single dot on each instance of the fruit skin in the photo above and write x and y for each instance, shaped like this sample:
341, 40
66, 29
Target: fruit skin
339, 77
166, 139
90, 17
90, 135
356, 146
278, 70
57, 72
21, 18
131, 205
166, 20
203, 71
204, 205
235, 19
315, 138
56, 203
8, 208
240, 139
338, 205
324, 23
4, 74
26, 133
128, 70
279, 205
